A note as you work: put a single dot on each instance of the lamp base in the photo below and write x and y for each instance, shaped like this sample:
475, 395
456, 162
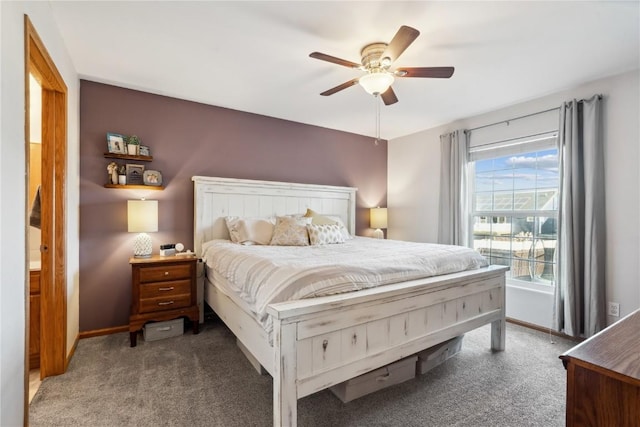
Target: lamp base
142, 246
378, 234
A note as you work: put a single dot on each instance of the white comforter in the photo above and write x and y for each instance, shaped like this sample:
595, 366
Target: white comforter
262, 275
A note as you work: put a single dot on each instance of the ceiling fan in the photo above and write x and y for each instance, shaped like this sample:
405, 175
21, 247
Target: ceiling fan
376, 60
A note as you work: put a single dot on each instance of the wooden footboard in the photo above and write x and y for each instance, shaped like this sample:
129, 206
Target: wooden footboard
321, 342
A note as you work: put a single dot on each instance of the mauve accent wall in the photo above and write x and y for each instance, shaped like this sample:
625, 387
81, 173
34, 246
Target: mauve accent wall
186, 139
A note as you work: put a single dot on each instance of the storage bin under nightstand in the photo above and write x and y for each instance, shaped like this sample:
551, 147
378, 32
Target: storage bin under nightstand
392, 374
160, 330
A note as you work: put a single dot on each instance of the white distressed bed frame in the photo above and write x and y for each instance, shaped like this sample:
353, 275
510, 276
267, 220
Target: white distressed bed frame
320, 342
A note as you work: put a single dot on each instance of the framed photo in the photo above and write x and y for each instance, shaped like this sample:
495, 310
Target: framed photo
152, 177
116, 144
135, 174
144, 150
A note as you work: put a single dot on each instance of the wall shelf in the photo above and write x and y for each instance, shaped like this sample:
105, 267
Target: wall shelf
135, 187
128, 157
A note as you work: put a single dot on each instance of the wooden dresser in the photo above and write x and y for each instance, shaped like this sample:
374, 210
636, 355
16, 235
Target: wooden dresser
603, 377
163, 288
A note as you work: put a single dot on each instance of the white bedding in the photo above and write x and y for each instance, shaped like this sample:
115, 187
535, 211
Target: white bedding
262, 275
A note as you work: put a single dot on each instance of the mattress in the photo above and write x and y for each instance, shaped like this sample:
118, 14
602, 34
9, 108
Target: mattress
262, 275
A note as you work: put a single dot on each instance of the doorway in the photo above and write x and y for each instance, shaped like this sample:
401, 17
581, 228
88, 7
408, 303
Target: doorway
53, 281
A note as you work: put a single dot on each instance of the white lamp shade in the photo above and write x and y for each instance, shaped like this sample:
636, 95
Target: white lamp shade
378, 218
142, 216
376, 83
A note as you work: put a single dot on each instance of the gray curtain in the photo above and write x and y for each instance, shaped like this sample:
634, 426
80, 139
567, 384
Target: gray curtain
580, 292
453, 224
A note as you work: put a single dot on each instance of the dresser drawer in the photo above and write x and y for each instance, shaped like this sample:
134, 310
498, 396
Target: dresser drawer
165, 289
165, 272
148, 305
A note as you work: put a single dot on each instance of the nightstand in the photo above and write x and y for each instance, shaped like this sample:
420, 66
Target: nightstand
163, 288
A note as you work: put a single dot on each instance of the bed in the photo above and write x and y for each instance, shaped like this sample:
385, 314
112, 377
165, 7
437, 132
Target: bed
319, 342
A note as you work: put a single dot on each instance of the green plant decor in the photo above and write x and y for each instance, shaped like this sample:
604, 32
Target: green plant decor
133, 140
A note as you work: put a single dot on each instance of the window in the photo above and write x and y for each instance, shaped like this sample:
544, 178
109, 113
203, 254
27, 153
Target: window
514, 206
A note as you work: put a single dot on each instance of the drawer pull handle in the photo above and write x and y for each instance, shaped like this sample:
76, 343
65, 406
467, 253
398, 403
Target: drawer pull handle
165, 303
166, 289
166, 273
384, 377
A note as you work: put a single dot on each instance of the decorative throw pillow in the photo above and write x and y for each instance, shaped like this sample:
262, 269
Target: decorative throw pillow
290, 231
232, 226
319, 219
325, 234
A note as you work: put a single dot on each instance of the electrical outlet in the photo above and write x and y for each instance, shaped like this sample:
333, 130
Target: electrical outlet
614, 309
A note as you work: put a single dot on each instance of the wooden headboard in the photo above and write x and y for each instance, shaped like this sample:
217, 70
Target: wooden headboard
216, 198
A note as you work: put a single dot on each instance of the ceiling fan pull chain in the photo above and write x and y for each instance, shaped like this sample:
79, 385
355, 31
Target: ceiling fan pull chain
375, 99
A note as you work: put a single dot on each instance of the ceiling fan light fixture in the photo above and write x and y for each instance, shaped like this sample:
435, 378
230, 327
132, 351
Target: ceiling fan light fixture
376, 83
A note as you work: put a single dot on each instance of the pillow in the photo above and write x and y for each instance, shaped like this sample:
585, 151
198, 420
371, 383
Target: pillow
325, 234
290, 231
250, 231
232, 226
318, 219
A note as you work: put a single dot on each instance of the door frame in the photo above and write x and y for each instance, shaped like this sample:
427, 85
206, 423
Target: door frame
53, 289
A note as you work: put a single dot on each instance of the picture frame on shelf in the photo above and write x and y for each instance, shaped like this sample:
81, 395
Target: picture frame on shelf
135, 174
116, 144
144, 150
152, 177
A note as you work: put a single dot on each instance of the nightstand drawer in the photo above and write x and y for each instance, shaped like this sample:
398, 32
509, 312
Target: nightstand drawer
165, 289
148, 305
166, 272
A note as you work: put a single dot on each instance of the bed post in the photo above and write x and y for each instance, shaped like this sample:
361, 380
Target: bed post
285, 394
498, 327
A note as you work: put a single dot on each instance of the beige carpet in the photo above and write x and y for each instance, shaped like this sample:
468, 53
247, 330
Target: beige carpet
204, 380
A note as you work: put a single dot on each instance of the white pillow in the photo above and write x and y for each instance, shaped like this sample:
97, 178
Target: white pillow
325, 234
250, 231
290, 231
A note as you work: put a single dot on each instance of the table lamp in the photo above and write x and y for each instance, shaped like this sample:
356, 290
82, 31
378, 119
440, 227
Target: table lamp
378, 218
142, 217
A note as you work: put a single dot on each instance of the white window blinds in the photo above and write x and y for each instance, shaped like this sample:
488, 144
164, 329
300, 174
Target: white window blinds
525, 134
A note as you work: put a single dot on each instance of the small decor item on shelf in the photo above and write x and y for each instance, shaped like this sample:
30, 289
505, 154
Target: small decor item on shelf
151, 177
112, 168
135, 174
133, 144
122, 175
116, 143
144, 150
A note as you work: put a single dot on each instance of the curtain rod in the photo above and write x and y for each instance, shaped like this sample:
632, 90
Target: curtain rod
510, 120
599, 96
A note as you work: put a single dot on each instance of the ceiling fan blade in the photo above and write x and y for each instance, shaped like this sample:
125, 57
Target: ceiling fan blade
403, 38
389, 97
434, 72
333, 59
340, 87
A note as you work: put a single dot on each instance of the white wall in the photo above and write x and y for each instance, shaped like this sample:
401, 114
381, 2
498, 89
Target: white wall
13, 203
414, 178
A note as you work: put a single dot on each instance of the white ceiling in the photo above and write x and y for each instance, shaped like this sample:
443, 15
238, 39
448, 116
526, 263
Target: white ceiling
254, 56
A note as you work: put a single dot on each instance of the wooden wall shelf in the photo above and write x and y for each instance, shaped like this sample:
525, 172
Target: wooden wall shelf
135, 187
128, 157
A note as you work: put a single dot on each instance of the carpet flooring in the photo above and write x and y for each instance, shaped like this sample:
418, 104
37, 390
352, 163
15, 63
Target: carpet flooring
204, 380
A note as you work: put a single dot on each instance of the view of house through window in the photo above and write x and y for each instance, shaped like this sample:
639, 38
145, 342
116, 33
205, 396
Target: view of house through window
515, 209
